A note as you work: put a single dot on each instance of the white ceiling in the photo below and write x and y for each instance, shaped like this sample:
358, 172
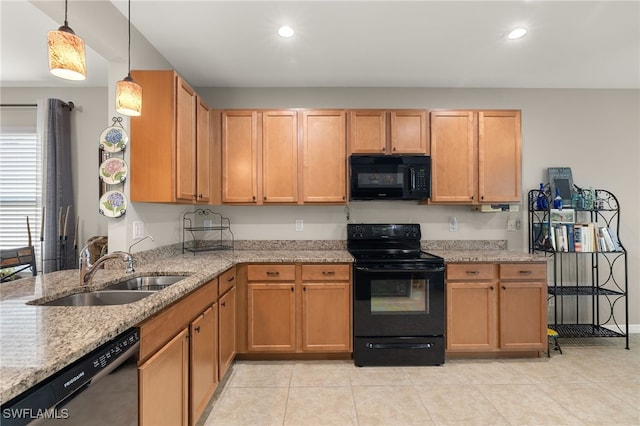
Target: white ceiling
571, 44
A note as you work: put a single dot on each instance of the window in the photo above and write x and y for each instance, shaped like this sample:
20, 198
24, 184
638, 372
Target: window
20, 189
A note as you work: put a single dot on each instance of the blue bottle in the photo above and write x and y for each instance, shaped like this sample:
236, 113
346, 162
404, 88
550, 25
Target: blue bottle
557, 201
541, 202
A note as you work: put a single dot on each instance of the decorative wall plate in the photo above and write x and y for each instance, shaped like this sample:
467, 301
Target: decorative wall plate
114, 139
113, 204
113, 170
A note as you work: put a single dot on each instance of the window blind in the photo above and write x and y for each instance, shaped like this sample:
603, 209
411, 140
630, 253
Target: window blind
20, 189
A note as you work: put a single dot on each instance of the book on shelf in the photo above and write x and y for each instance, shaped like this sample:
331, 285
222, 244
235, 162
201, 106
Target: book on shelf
575, 237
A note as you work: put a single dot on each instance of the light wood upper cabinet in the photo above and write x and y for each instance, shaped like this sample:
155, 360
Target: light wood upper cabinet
239, 156
368, 132
453, 157
476, 157
279, 156
499, 156
388, 132
324, 156
259, 157
203, 151
169, 161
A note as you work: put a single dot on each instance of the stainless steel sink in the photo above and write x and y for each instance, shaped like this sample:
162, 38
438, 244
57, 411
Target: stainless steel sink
145, 283
100, 298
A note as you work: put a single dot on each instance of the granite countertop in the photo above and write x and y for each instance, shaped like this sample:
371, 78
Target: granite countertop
37, 341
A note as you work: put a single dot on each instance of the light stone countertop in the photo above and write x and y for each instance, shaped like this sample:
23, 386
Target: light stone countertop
37, 341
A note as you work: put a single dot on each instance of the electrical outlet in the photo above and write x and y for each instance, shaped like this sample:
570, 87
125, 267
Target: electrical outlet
299, 225
453, 224
138, 230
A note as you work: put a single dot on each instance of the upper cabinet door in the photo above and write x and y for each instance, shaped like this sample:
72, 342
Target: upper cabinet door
185, 141
239, 156
368, 132
203, 152
409, 132
453, 157
499, 156
279, 156
324, 153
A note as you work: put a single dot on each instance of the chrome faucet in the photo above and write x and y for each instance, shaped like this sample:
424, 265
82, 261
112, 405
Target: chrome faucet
141, 240
88, 269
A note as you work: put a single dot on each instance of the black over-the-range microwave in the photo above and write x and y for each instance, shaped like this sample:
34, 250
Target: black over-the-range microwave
390, 177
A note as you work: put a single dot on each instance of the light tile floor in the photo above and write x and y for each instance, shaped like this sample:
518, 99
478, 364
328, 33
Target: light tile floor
594, 382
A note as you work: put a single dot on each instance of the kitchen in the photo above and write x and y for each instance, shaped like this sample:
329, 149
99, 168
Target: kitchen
553, 122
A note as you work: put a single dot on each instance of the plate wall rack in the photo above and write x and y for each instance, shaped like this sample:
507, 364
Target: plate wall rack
588, 294
205, 230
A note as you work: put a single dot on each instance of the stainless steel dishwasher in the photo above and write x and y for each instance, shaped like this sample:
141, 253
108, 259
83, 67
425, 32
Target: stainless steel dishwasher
98, 389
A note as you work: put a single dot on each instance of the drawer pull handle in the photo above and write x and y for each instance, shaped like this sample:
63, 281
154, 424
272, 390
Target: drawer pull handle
230, 279
273, 273
525, 272
473, 272
328, 272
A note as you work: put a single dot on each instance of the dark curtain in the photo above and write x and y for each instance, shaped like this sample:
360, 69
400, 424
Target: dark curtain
57, 186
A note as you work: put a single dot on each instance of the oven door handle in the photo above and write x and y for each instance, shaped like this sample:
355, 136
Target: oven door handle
422, 269
399, 345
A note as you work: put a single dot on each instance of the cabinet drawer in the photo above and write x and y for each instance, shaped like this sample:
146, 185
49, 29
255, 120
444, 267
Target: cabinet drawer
471, 271
523, 271
271, 272
226, 280
325, 272
162, 327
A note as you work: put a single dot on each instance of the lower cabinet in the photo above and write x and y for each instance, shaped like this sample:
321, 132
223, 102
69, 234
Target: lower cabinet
496, 307
299, 308
163, 384
227, 331
185, 350
203, 360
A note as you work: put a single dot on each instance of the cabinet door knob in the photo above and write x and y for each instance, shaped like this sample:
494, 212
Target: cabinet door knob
223, 303
197, 329
472, 197
491, 288
199, 195
292, 289
264, 198
384, 149
394, 148
504, 288
253, 198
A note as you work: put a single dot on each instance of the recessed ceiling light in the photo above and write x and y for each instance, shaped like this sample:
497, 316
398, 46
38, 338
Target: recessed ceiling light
285, 31
517, 33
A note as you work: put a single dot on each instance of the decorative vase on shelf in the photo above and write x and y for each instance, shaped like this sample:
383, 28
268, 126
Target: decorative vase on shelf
557, 201
588, 199
541, 202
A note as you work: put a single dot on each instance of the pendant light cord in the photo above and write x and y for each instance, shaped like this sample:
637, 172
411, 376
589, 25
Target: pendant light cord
129, 18
66, 24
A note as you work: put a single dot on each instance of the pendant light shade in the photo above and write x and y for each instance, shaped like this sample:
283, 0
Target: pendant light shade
129, 97
66, 52
128, 92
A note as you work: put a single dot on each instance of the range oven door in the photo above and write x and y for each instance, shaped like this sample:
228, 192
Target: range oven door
398, 301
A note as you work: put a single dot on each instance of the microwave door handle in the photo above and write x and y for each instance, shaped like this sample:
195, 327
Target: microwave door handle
412, 175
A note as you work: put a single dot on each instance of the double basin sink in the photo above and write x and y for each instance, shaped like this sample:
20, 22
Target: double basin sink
120, 293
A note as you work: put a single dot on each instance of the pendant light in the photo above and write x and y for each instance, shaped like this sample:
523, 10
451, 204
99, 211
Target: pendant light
128, 92
66, 52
